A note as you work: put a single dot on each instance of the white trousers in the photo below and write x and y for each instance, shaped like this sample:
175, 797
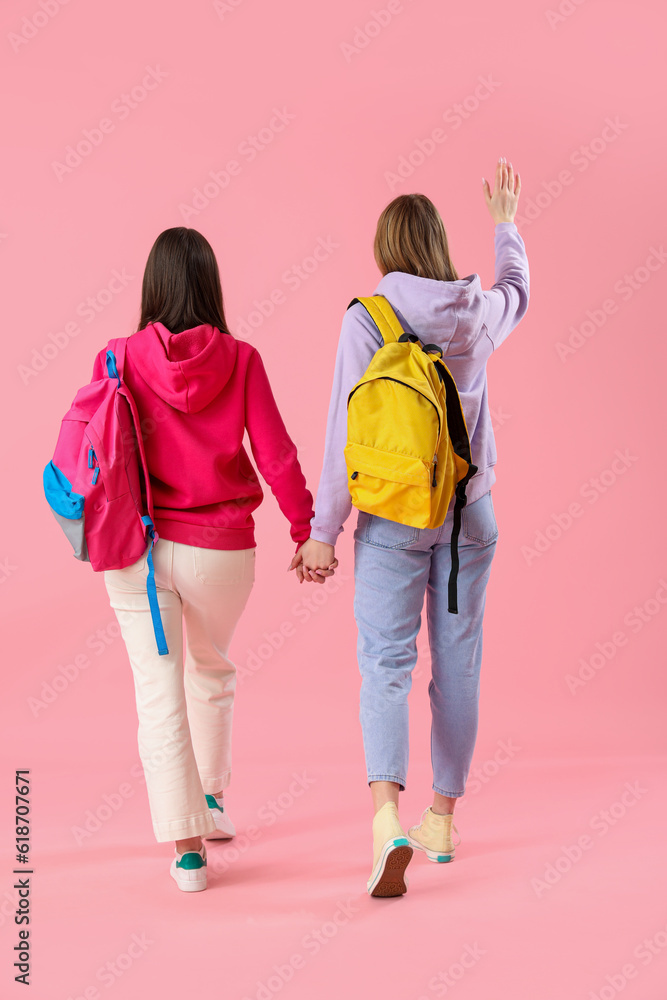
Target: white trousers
185, 699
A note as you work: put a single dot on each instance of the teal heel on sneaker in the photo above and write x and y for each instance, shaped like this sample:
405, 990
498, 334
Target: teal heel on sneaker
388, 877
189, 870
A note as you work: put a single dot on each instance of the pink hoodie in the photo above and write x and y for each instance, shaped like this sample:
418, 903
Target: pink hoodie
196, 393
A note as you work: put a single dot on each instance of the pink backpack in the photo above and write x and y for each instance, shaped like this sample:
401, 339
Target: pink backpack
98, 489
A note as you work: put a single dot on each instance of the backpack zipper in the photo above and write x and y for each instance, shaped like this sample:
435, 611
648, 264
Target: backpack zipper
92, 458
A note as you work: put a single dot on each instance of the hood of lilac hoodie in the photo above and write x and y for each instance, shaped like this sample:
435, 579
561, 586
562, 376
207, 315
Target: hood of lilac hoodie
188, 369
447, 313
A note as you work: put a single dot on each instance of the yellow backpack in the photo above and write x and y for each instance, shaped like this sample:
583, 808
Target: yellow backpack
407, 450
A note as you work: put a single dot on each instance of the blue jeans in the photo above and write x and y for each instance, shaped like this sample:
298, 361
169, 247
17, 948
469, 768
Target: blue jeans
394, 566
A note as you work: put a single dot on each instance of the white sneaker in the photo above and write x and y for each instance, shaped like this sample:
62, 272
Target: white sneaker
189, 870
224, 828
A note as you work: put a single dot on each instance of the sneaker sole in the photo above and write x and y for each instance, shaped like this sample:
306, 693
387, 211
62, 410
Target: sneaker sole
219, 835
431, 855
189, 880
389, 877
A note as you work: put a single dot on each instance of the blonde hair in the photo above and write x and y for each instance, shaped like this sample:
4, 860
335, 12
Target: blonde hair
411, 237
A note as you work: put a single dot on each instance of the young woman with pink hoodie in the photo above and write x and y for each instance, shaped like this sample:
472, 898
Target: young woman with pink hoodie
197, 390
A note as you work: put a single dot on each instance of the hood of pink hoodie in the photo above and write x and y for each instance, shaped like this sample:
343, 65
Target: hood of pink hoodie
187, 369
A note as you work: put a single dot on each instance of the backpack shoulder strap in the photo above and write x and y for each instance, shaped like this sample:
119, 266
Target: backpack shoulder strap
384, 317
117, 347
115, 363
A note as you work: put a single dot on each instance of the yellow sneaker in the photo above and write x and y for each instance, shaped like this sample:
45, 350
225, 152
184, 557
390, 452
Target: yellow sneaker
391, 854
433, 836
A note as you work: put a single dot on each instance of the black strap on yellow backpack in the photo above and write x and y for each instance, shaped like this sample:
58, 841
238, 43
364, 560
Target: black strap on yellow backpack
461, 445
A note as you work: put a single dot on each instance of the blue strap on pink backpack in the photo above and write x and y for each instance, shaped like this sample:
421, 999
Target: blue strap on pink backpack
114, 370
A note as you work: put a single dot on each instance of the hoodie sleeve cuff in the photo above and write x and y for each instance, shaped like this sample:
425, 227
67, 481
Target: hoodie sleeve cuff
329, 537
505, 226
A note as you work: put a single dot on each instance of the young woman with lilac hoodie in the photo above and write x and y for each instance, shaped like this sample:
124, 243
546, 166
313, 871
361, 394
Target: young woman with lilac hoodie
396, 565
197, 391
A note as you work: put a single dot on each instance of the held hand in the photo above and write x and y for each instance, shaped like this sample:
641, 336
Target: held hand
314, 561
503, 203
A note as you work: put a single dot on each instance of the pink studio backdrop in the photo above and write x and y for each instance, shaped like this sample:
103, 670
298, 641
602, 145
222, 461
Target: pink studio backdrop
279, 129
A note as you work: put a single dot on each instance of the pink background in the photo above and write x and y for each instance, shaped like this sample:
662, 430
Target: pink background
559, 424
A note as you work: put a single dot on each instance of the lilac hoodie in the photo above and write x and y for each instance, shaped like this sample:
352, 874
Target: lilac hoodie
467, 322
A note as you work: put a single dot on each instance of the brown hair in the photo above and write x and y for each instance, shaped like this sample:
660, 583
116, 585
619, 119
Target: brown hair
181, 286
411, 237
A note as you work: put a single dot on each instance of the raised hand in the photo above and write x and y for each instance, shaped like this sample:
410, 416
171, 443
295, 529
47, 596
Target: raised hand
503, 203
